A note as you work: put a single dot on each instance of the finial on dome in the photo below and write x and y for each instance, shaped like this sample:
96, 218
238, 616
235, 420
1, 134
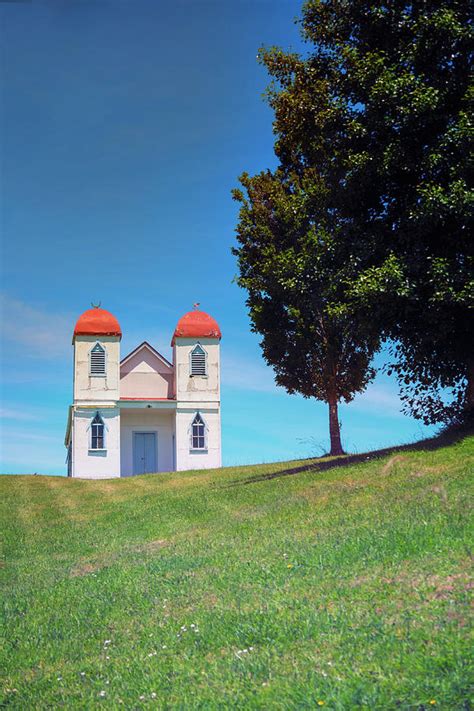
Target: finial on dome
96, 306
197, 305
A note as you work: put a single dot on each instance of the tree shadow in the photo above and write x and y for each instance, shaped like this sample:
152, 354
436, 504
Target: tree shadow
446, 438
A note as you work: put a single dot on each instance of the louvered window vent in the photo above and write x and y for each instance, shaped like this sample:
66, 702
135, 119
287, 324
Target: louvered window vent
98, 360
198, 361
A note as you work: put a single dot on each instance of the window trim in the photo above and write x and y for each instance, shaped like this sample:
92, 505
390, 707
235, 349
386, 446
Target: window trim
104, 434
191, 352
98, 375
206, 430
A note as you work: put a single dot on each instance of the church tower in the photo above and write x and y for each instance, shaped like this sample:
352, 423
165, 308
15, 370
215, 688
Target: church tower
94, 418
196, 359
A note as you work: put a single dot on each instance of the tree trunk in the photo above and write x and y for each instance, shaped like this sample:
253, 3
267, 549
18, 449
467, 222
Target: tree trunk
334, 430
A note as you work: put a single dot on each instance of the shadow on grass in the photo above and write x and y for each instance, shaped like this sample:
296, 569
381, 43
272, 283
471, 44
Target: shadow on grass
446, 438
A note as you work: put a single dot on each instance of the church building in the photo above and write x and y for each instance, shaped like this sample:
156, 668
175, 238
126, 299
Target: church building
142, 413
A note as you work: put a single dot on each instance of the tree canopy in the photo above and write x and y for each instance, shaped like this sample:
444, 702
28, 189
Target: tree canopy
373, 125
294, 271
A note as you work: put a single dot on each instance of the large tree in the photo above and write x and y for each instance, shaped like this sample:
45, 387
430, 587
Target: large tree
294, 271
379, 110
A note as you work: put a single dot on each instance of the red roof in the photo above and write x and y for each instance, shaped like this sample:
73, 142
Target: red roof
196, 324
97, 322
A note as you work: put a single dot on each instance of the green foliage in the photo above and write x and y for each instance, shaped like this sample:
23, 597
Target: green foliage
198, 590
293, 271
299, 253
379, 111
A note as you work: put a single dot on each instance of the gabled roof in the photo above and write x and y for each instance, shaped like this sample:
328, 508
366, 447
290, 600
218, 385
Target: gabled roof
146, 345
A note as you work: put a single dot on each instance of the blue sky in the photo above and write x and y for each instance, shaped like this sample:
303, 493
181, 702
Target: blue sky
124, 127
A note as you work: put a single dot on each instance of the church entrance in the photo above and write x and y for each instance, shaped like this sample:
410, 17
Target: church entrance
144, 452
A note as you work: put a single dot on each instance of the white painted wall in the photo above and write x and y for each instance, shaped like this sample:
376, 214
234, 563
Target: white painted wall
197, 388
207, 459
197, 394
161, 422
96, 464
96, 388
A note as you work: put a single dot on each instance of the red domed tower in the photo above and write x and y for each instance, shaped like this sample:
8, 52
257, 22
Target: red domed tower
97, 322
196, 359
93, 437
196, 324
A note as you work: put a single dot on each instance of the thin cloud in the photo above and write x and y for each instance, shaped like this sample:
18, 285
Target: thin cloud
42, 334
378, 398
241, 373
8, 413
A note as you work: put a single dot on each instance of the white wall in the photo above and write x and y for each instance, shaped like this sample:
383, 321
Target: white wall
90, 464
147, 421
197, 388
207, 459
96, 388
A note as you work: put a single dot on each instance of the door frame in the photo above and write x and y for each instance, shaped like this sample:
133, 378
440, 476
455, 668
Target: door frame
144, 431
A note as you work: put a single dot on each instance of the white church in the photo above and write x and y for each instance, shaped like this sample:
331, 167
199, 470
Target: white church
142, 413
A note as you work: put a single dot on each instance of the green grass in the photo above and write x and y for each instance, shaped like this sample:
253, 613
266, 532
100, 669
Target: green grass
347, 588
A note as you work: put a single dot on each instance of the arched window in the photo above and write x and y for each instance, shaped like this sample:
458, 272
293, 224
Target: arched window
198, 433
198, 365
97, 433
97, 360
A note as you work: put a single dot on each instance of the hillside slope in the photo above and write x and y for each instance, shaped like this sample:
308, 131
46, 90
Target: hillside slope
347, 588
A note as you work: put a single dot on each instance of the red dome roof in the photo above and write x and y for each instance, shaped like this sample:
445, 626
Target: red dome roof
97, 322
196, 324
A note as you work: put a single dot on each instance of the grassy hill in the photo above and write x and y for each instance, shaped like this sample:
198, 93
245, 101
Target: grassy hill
254, 587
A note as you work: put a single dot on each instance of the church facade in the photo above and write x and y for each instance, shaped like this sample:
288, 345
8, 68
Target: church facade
143, 414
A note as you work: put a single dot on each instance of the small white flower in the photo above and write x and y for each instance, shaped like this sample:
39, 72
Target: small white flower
107, 641
102, 693
141, 697
83, 673
107, 682
107, 657
153, 695
163, 646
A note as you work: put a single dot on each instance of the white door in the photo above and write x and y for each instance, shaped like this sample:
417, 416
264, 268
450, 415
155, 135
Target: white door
144, 452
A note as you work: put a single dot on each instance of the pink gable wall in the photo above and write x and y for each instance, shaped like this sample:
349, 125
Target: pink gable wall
146, 376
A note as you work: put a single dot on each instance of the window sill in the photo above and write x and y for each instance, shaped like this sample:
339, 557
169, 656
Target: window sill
195, 450
99, 449
194, 375
97, 375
